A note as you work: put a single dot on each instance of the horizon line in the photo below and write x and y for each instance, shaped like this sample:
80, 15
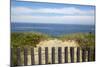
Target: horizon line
50, 23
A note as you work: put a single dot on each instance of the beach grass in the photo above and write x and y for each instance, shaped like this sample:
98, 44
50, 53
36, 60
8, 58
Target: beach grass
83, 39
22, 39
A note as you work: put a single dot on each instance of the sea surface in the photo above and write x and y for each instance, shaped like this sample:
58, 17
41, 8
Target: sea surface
52, 29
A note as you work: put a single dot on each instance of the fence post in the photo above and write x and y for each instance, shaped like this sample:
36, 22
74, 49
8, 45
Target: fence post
78, 54
18, 57
66, 54
46, 55
25, 56
72, 54
59, 55
32, 56
53, 55
83, 54
89, 54
94, 54
11, 57
39, 56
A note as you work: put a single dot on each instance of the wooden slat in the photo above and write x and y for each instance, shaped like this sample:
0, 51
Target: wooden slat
46, 55
94, 54
66, 54
11, 57
83, 55
78, 54
53, 55
72, 54
39, 56
59, 55
89, 54
32, 56
18, 57
25, 56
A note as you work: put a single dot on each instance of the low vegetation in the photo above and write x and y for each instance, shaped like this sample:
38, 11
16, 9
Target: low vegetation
20, 39
27, 39
83, 39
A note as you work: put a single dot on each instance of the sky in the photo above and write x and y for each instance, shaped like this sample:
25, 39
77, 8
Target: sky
88, 2
36, 12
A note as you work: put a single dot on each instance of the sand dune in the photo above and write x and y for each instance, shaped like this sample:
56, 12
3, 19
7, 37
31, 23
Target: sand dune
57, 43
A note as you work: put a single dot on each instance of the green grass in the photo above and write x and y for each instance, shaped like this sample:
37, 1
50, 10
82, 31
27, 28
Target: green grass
83, 39
22, 39
27, 39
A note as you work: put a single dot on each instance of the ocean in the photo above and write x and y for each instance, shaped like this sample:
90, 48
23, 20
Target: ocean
52, 29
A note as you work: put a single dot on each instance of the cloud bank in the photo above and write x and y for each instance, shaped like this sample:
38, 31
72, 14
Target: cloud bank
69, 15
68, 11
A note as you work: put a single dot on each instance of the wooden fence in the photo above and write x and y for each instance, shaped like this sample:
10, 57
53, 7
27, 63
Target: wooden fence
86, 55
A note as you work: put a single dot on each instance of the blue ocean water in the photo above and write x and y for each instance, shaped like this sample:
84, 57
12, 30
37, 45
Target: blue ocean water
51, 29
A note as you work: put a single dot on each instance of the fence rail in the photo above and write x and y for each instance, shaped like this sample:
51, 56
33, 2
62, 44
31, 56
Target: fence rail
85, 54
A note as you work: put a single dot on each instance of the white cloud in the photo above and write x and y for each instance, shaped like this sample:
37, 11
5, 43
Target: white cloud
54, 19
70, 15
68, 10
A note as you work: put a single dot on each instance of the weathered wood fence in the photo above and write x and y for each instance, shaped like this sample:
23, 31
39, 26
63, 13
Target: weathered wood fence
85, 54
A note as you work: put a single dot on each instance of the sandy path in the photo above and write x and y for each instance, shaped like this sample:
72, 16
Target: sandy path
57, 43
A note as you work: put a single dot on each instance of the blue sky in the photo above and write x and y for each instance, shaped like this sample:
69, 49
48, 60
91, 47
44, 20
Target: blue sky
35, 12
88, 2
